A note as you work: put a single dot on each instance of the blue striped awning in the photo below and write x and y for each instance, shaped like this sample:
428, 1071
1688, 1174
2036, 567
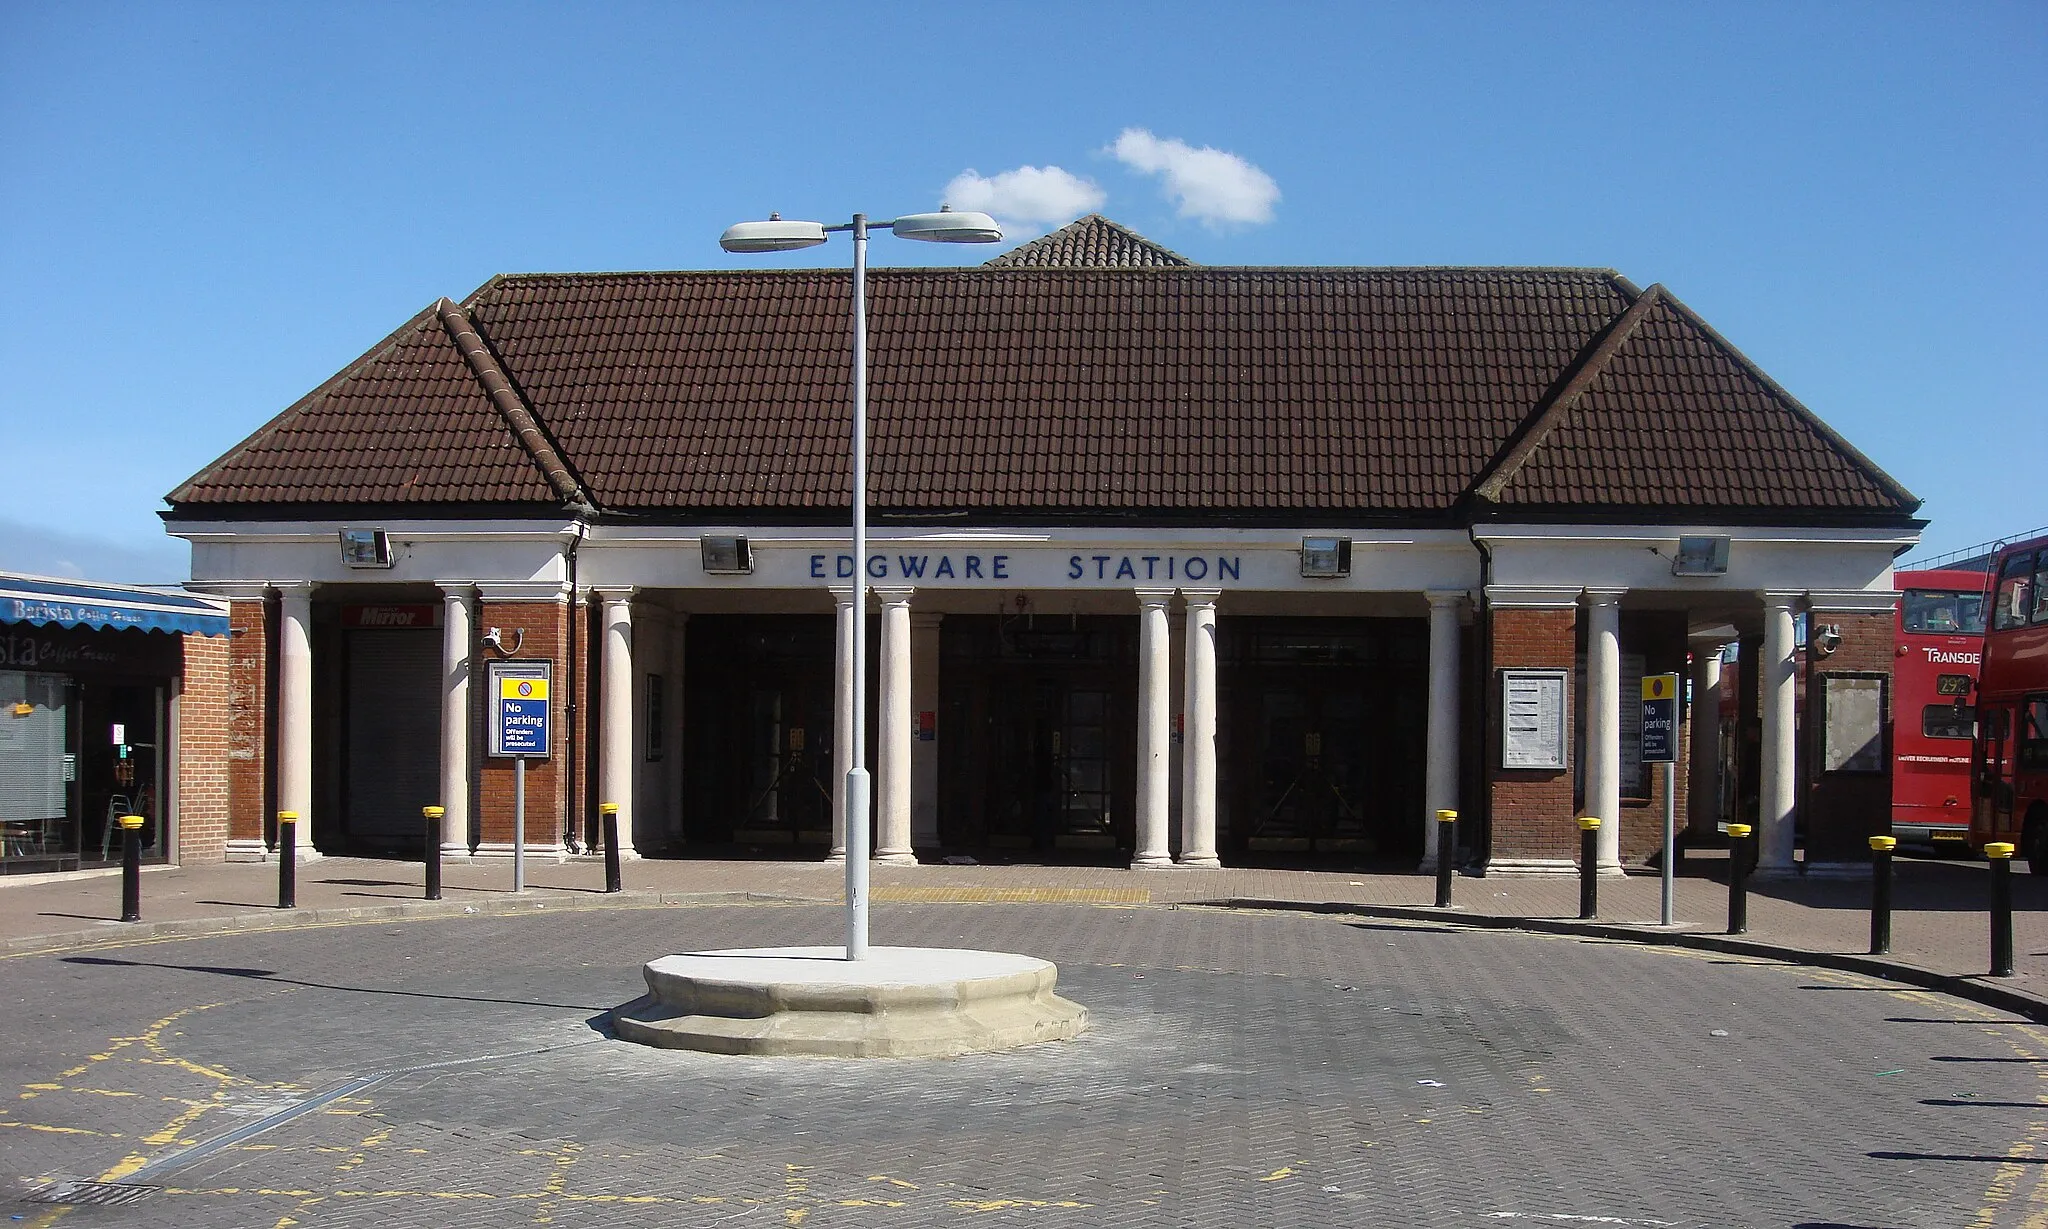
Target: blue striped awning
41, 601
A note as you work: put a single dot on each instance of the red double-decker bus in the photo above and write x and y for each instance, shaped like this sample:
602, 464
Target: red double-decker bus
1940, 641
2009, 761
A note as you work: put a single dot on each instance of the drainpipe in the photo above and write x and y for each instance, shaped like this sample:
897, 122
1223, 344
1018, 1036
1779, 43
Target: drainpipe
569, 556
1482, 622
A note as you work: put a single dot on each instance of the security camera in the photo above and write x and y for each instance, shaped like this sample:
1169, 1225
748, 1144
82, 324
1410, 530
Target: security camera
495, 639
1826, 639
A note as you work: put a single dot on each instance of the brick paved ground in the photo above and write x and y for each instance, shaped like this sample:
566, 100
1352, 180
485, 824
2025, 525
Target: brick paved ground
1941, 923
1245, 1068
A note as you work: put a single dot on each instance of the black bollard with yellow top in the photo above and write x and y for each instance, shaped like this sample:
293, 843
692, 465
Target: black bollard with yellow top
287, 859
610, 811
131, 868
2000, 854
433, 816
1881, 894
1738, 879
1446, 847
1589, 867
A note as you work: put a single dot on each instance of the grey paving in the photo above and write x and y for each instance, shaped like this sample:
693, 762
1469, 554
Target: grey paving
1243, 1068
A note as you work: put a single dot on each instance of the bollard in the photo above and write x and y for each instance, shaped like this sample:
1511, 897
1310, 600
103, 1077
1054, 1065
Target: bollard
1589, 867
433, 816
610, 811
287, 859
2000, 853
1446, 845
1738, 879
131, 868
1881, 895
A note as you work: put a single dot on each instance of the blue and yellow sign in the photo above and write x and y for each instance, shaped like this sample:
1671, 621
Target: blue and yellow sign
520, 710
1660, 718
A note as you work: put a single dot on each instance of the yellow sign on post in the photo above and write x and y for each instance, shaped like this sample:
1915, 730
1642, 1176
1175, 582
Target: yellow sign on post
1660, 718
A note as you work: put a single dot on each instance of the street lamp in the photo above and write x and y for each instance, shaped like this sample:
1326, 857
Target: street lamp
778, 235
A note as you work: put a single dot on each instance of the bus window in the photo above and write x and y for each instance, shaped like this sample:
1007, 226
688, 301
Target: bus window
2041, 588
2011, 606
2033, 754
1948, 721
1933, 610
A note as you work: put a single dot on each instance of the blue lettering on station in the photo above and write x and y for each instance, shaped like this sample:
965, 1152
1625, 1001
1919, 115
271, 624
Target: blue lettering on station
1105, 568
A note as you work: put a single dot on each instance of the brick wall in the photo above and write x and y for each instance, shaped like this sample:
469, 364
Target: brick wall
546, 627
248, 719
203, 759
1532, 810
1843, 810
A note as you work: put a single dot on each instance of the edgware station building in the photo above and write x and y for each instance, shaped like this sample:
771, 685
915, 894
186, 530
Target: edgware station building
1169, 564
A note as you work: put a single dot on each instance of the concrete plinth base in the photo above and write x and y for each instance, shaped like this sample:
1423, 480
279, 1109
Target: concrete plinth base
900, 1002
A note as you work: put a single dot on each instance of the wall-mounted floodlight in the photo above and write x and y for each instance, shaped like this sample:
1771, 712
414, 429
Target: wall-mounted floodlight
1700, 556
726, 556
365, 548
1323, 558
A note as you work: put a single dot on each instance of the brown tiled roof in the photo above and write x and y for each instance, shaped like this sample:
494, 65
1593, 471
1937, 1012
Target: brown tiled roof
407, 423
1092, 242
1666, 413
1311, 393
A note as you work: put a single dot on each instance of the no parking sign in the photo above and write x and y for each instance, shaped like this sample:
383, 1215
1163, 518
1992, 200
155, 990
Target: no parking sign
1660, 718
520, 709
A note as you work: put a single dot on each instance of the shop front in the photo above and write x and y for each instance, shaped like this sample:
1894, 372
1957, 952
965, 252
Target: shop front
90, 679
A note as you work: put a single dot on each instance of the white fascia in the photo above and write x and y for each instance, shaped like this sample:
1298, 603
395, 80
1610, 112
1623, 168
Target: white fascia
1837, 561
231, 557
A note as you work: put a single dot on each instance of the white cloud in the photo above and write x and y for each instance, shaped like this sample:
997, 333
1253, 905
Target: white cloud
1207, 184
1029, 194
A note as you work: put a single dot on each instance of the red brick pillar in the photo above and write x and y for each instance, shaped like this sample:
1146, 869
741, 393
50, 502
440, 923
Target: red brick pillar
1845, 807
249, 685
1533, 828
204, 762
530, 629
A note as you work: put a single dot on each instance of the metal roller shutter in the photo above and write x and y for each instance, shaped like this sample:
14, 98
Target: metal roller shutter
394, 735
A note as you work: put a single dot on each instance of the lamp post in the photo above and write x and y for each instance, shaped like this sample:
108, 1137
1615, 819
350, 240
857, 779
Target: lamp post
778, 235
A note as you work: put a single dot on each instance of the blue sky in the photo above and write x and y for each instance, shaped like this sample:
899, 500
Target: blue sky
208, 209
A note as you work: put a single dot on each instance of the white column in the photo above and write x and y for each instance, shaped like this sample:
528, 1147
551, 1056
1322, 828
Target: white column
456, 645
615, 733
893, 733
1778, 788
1155, 729
1703, 739
1440, 777
1603, 721
1198, 739
845, 660
924, 756
295, 711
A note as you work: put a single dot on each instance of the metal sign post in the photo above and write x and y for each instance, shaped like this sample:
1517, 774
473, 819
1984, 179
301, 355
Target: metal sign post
520, 731
1660, 746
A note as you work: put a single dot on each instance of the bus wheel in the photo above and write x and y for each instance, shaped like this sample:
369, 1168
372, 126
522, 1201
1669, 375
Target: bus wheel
2034, 841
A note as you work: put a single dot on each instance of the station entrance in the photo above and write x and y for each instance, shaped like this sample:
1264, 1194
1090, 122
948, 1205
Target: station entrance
1330, 738
1039, 724
758, 721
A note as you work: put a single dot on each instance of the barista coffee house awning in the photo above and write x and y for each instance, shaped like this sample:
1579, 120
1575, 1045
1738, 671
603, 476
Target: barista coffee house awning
44, 601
